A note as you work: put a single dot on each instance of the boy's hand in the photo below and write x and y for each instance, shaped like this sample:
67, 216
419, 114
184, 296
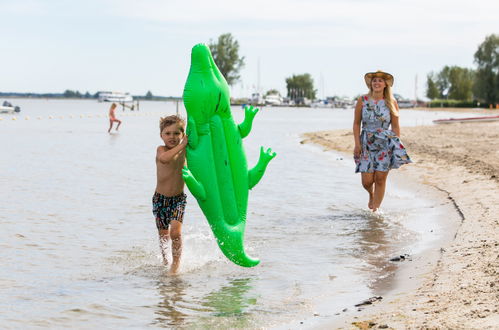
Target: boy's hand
184, 141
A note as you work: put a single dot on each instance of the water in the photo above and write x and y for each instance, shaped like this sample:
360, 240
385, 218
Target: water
78, 243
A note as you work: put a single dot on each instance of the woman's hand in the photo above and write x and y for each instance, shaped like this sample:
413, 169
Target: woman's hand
356, 151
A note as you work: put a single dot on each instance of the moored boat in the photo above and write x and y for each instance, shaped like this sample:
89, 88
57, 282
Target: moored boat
466, 120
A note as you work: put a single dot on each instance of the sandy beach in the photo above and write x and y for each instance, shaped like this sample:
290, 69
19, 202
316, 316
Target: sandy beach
460, 287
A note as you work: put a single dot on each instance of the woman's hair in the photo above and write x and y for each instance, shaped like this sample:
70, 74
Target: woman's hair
389, 99
170, 120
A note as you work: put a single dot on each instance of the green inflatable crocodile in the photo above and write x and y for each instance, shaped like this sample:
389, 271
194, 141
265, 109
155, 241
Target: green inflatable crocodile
217, 172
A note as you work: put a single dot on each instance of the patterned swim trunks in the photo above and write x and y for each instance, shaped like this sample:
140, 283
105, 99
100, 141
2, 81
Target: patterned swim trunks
166, 209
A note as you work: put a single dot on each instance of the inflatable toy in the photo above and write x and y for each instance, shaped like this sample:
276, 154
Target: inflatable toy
217, 172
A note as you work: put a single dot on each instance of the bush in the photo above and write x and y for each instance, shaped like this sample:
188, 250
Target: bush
456, 104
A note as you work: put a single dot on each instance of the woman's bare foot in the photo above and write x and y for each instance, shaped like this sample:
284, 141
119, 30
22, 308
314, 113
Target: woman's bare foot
371, 201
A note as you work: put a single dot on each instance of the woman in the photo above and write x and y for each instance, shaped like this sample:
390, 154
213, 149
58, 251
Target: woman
377, 148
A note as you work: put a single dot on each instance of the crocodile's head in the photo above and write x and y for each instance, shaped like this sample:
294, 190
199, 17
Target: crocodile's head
205, 92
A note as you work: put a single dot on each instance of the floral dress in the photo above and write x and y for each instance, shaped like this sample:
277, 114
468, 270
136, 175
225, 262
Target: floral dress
381, 148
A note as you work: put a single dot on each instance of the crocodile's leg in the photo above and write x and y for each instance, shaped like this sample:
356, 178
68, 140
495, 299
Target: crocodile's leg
245, 126
256, 173
195, 187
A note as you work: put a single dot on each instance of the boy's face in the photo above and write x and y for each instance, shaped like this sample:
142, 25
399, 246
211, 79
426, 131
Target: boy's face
171, 135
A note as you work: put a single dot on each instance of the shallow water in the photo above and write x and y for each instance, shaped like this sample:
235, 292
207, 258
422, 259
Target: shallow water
78, 243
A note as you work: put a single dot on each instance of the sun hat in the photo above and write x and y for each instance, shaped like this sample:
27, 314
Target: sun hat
385, 75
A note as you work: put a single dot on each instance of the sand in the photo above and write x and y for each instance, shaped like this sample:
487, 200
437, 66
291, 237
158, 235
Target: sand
460, 287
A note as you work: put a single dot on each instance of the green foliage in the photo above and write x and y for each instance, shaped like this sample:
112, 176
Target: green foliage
442, 103
432, 91
300, 86
487, 76
272, 92
71, 94
225, 53
149, 95
452, 82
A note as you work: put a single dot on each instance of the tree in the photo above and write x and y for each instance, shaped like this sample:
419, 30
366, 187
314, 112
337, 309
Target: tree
272, 92
461, 83
300, 86
226, 56
432, 91
452, 82
148, 95
487, 76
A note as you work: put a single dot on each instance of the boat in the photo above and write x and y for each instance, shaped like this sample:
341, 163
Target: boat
256, 99
273, 99
7, 107
466, 120
115, 97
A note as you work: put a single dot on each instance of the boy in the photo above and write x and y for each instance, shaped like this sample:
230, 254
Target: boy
169, 199
112, 118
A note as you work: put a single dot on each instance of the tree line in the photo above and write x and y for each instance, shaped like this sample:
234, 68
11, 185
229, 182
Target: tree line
468, 85
451, 83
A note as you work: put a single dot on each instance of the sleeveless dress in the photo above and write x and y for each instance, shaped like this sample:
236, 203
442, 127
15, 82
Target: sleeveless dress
381, 150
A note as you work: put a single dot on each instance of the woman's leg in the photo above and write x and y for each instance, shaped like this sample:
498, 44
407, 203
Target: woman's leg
379, 188
110, 125
368, 184
176, 236
119, 123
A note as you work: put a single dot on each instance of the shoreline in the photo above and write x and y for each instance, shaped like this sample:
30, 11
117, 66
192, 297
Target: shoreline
456, 285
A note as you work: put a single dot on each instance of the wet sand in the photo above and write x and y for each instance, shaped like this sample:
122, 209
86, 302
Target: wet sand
459, 288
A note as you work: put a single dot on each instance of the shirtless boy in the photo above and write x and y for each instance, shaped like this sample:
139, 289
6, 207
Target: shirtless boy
169, 199
112, 118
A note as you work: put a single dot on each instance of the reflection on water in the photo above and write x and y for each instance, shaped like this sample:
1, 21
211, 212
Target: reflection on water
169, 313
377, 241
229, 304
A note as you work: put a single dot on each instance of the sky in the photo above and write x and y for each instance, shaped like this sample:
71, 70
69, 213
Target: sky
48, 46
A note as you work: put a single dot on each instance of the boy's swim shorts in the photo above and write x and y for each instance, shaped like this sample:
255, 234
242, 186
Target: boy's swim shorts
166, 209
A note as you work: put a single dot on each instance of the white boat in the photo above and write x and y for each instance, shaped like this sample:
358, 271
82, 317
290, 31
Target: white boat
256, 99
7, 107
115, 97
273, 99
466, 120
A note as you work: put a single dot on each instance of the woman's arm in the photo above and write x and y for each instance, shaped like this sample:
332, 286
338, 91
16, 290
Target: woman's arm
356, 126
395, 120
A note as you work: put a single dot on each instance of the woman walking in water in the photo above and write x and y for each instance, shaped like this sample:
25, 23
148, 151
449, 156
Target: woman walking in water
377, 147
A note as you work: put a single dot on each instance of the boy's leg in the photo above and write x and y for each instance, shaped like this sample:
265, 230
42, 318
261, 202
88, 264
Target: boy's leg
176, 236
164, 237
368, 184
379, 190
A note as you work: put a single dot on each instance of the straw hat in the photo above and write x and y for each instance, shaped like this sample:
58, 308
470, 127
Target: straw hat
385, 75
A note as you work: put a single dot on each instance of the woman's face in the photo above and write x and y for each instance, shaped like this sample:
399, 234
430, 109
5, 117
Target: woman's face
378, 84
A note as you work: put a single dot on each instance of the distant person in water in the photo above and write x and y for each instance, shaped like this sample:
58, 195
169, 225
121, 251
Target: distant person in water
112, 118
169, 199
378, 148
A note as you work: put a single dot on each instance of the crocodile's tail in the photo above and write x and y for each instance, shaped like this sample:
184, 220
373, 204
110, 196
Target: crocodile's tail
230, 239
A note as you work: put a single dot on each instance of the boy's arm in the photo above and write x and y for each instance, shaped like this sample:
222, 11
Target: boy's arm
165, 157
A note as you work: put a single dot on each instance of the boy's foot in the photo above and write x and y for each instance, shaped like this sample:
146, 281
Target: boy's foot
174, 269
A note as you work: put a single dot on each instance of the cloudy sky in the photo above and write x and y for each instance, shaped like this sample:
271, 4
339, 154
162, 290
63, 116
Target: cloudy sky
141, 45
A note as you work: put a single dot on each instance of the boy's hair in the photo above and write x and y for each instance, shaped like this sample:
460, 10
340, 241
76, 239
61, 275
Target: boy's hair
170, 120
